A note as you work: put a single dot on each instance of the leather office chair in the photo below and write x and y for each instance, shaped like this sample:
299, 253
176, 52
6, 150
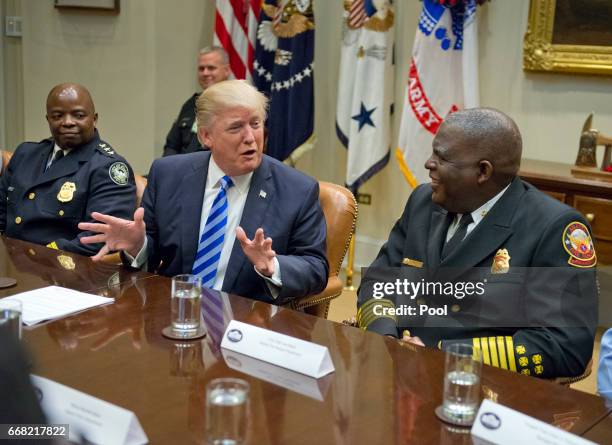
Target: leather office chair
340, 210
141, 185
6, 158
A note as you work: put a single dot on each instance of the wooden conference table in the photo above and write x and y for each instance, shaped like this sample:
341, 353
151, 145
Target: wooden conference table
381, 391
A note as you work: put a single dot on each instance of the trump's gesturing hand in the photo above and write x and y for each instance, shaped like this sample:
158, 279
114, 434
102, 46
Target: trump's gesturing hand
258, 251
116, 233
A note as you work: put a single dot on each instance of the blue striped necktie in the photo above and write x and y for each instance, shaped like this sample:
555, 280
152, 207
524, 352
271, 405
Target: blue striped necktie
211, 241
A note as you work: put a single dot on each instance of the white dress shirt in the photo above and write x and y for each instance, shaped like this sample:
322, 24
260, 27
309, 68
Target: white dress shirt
236, 200
477, 216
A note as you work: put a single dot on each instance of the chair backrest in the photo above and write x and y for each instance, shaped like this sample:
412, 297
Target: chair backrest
340, 210
6, 158
141, 185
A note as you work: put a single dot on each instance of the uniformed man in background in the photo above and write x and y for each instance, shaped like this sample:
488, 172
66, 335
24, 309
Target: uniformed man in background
520, 264
213, 67
50, 186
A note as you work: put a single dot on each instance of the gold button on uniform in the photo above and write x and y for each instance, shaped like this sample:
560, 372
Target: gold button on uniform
61, 213
18, 220
32, 195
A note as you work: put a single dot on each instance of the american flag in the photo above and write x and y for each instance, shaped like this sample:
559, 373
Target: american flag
236, 31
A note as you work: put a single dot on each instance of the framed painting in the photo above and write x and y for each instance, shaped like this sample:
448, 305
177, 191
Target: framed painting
111, 6
571, 36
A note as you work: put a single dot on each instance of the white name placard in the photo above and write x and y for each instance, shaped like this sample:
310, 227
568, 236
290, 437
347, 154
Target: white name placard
293, 381
501, 425
279, 349
89, 418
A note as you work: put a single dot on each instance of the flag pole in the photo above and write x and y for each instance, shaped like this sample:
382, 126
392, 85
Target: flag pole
350, 264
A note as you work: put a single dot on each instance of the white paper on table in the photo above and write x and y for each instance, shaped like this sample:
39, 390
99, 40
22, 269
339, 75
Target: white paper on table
279, 349
498, 424
52, 302
88, 417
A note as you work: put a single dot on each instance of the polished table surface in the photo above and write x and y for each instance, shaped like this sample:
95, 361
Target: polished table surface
35, 266
381, 391
602, 431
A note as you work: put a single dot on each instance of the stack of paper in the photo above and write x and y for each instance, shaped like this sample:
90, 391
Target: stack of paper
52, 302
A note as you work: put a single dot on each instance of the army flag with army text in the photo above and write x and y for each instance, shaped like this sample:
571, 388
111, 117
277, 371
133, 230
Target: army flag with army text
365, 88
283, 70
442, 78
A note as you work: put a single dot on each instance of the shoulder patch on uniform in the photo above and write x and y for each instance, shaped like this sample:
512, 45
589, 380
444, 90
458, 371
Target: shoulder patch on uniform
106, 149
119, 173
578, 243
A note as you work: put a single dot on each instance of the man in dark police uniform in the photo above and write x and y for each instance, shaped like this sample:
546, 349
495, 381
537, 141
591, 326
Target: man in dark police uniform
213, 67
49, 186
478, 222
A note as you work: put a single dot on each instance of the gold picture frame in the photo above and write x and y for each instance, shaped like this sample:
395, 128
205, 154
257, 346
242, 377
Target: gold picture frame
541, 53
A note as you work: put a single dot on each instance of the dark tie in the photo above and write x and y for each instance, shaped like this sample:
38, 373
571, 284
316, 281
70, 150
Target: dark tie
453, 243
59, 154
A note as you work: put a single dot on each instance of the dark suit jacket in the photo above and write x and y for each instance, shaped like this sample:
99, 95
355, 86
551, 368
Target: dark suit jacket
289, 213
539, 317
30, 205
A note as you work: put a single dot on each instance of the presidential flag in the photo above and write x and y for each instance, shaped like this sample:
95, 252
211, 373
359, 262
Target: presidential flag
235, 31
443, 77
283, 70
365, 88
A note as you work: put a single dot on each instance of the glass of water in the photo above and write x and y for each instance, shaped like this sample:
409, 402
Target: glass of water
462, 383
226, 411
186, 299
10, 317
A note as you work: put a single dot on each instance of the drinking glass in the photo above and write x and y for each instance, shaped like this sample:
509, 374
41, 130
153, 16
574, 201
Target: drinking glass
226, 411
186, 309
10, 317
461, 383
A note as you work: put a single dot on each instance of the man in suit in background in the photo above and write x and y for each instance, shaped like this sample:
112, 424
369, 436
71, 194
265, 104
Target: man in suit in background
213, 67
244, 222
528, 259
51, 185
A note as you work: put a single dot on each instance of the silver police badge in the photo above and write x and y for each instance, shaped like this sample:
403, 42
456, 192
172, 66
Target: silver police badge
119, 173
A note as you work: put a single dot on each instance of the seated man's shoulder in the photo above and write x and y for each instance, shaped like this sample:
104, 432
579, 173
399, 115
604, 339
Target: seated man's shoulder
290, 175
195, 158
106, 157
189, 104
30, 147
104, 153
543, 208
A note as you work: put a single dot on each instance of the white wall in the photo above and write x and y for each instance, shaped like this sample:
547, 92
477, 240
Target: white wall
140, 67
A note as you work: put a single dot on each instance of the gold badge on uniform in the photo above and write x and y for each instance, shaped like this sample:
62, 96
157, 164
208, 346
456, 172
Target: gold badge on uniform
66, 262
501, 262
578, 243
413, 263
66, 193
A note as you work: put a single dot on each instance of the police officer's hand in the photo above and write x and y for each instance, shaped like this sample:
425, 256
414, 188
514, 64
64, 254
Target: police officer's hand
258, 251
116, 233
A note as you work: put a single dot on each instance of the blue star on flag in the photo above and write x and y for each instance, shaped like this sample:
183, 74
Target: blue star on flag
364, 117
